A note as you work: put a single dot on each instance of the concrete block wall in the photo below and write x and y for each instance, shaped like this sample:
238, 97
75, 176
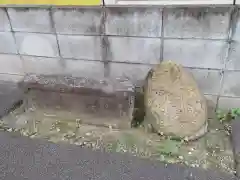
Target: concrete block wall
125, 42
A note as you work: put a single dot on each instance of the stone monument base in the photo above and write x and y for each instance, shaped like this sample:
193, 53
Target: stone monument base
89, 101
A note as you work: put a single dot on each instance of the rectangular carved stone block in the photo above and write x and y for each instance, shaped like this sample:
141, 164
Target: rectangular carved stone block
96, 102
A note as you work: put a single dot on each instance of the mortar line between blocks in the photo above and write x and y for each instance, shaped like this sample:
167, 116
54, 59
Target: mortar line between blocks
118, 62
162, 37
62, 62
124, 36
12, 74
104, 43
67, 58
227, 96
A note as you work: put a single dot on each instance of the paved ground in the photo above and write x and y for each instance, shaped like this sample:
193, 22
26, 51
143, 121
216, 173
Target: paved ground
22, 158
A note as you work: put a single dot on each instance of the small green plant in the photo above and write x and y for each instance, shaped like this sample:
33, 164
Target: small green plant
224, 116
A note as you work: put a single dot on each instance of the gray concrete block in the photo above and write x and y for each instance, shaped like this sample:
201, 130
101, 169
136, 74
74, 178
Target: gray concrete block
134, 21
136, 73
79, 68
11, 78
196, 53
210, 23
11, 64
232, 62
37, 44
78, 21
42, 65
7, 43
134, 50
208, 80
30, 19
231, 84
80, 47
4, 22
228, 102
236, 29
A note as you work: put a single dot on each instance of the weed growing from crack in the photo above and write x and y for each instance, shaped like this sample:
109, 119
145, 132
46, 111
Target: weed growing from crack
225, 117
231, 114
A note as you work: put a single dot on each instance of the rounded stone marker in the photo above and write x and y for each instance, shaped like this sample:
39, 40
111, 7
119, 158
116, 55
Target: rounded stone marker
173, 102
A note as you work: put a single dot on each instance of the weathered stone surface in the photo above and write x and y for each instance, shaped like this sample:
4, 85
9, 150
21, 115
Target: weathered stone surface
91, 101
174, 104
61, 83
